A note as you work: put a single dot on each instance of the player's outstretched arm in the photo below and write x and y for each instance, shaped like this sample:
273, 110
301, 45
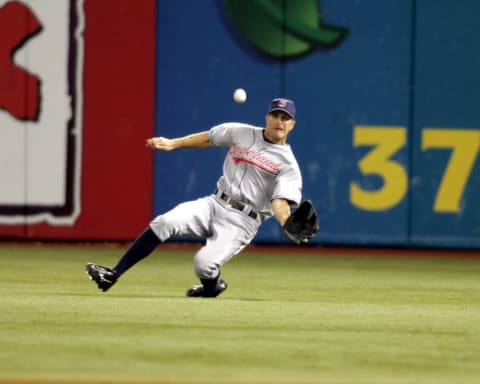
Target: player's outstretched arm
196, 140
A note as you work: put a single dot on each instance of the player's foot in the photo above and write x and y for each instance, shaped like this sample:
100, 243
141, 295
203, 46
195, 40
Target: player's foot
104, 277
201, 291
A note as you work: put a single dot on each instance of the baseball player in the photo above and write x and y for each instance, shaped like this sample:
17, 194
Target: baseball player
261, 179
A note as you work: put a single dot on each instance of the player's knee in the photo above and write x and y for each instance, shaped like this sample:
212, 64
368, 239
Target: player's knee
205, 269
161, 227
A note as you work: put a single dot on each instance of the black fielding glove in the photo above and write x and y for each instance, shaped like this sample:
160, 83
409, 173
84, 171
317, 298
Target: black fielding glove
302, 225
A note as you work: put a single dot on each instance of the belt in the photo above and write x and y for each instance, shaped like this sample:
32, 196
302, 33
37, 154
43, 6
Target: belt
236, 204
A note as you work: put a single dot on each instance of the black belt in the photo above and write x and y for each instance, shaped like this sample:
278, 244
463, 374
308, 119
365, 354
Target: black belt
236, 204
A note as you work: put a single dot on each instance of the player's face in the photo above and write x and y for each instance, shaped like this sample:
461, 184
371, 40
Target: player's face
279, 125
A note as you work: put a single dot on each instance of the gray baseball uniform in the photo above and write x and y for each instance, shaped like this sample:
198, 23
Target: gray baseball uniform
255, 171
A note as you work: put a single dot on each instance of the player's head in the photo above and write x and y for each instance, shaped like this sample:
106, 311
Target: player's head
280, 120
285, 105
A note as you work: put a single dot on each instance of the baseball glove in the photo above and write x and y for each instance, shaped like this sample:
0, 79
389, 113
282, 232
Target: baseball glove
302, 225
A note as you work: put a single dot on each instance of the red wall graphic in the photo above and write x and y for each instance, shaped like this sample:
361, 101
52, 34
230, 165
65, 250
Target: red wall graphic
91, 176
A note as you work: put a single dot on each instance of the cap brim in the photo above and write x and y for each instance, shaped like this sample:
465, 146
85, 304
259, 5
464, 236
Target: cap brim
283, 110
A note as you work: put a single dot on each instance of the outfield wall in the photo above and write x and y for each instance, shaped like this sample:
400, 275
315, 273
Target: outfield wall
76, 167
387, 135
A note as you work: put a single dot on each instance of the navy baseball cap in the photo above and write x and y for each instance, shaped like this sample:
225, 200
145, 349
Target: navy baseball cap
285, 105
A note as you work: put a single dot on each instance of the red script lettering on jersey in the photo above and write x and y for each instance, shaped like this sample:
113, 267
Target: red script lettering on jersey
255, 159
19, 90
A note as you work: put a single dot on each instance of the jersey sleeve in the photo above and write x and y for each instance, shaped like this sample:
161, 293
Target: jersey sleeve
221, 135
288, 185
226, 134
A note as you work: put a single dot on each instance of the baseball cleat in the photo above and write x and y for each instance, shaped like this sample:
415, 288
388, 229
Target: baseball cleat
104, 277
200, 291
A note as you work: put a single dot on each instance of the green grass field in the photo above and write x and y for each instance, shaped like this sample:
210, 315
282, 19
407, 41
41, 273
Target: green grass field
285, 318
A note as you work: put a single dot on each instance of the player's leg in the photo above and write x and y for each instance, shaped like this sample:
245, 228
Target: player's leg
140, 248
230, 235
190, 219
143, 245
211, 257
185, 219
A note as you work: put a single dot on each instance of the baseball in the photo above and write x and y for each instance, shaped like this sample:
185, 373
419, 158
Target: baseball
240, 96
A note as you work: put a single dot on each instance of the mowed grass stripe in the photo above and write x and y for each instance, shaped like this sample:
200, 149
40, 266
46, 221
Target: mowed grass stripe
284, 319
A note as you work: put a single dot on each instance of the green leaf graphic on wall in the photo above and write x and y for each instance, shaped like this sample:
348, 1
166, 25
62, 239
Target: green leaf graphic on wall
283, 28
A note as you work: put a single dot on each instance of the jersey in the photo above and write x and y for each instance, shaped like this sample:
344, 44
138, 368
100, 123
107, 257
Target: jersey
256, 171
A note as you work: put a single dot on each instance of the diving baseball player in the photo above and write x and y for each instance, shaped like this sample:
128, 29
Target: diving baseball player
261, 179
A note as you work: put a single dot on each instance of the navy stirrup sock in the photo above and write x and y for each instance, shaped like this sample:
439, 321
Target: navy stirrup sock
140, 248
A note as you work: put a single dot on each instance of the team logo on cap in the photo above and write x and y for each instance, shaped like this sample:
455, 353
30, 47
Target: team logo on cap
282, 103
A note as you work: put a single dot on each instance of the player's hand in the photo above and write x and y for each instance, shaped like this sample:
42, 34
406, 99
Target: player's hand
302, 225
161, 143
